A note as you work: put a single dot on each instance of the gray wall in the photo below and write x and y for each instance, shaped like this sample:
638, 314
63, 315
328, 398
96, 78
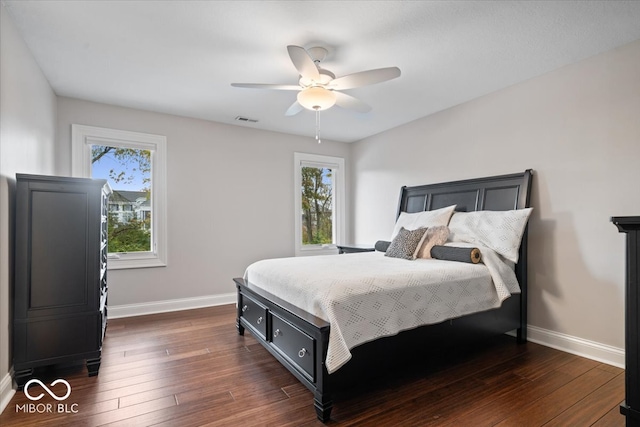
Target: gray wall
27, 136
230, 198
579, 129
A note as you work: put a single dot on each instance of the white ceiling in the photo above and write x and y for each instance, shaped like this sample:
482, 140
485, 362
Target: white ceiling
179, 57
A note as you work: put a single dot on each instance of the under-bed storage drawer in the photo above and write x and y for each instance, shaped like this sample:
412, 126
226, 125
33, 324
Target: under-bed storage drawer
254, 316
293, 344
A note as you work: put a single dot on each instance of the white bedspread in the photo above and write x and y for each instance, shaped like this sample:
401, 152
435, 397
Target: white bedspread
368, 295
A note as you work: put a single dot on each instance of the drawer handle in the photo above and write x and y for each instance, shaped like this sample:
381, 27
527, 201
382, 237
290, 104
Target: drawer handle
245, 308
259, 320
302, 352
276, 333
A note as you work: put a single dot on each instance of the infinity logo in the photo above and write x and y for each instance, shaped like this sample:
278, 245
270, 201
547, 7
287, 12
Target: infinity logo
38, 397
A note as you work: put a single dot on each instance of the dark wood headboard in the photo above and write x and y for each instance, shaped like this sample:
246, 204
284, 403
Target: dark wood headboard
495, 193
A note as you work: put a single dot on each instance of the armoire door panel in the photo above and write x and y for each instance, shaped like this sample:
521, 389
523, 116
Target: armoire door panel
58, 249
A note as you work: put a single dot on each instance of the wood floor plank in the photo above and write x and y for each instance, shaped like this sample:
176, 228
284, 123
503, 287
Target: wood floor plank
550, 406
613, 418
586, 411
191, 368
130, 411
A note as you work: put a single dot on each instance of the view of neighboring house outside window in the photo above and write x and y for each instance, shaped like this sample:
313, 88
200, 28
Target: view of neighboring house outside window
134, 165
128, 172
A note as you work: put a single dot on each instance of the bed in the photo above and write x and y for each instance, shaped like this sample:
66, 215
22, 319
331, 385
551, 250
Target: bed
297, 330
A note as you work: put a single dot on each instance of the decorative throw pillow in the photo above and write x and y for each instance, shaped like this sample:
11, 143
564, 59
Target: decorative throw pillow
498, 230
406, 243
413, 221
435, 236
452, 253
382, 245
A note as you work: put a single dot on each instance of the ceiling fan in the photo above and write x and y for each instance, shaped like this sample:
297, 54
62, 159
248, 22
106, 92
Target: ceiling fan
319, 89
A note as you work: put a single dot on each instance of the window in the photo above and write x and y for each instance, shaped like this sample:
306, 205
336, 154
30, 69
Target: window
319, 203
134, 164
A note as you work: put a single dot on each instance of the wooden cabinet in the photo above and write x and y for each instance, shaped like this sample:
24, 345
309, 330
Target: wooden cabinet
60, 288
631, 407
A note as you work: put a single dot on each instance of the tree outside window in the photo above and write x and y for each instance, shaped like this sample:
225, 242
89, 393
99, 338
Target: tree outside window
317, 206
128, 171
319, 201
135, 165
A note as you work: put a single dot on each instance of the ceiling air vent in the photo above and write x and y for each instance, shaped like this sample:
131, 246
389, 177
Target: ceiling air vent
246, 119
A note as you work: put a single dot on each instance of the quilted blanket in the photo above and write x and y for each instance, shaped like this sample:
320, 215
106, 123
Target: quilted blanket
365, 296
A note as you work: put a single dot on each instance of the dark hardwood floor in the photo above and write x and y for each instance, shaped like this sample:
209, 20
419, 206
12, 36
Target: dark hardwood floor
191, 368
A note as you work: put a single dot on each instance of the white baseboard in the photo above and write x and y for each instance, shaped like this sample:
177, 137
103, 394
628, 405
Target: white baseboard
578, 346
129, 310
6, 391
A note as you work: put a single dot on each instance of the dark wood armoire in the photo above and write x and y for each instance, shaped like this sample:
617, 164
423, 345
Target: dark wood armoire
60, 286
631, 406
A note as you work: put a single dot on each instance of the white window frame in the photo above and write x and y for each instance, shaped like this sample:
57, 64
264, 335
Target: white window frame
82, 138
336, 164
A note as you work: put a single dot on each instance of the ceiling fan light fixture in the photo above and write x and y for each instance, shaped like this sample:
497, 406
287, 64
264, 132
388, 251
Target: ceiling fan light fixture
319, 88
316, 98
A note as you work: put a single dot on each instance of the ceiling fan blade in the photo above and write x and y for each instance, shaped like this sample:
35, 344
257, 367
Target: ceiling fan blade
294, 109
364, 78
303, 62
347, 101
266, 86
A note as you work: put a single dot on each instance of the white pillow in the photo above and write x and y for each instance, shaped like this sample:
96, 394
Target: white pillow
413, 221
498, 230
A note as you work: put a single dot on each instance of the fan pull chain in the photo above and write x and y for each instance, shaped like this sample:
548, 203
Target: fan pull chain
318, 127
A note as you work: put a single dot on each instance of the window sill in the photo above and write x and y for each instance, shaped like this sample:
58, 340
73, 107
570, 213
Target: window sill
318, 250
123, 263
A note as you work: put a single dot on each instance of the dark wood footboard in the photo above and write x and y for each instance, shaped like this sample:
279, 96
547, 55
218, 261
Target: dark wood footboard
300, 341
294, 337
